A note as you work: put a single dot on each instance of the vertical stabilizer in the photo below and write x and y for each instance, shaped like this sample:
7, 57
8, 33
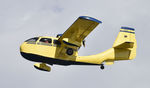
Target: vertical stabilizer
125, 44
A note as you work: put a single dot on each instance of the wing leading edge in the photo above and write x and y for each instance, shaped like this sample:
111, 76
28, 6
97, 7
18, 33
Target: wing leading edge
77, 32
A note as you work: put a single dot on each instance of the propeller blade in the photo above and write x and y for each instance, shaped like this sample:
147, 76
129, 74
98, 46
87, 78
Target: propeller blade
83, 43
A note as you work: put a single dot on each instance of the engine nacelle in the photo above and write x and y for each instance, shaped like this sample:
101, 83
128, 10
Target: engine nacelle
42, 67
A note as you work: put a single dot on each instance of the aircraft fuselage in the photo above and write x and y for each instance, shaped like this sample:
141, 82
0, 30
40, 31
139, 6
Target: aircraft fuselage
47, 49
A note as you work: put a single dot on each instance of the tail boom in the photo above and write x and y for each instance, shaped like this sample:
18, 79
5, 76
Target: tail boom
124, 48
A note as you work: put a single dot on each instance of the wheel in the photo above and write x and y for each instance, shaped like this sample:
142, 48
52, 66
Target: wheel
69, 51
102, 67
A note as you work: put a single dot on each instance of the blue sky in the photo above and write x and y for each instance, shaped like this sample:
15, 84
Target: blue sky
23, 19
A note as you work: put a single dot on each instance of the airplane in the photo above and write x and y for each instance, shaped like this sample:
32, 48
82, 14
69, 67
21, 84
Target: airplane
63, 49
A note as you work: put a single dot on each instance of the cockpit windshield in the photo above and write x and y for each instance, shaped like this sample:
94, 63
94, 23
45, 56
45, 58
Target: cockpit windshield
32, 40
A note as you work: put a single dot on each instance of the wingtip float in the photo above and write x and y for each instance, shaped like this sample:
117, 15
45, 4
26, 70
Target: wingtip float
63, 50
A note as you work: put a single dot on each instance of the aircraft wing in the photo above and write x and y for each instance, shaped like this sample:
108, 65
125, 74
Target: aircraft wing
77, 32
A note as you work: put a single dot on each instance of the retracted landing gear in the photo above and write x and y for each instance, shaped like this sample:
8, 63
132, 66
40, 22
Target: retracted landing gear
102, 66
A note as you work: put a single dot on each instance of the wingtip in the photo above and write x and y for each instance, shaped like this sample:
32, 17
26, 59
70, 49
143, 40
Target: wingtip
90, 18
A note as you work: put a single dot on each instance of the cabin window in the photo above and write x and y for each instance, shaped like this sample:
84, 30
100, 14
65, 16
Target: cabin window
45, 41
32, 40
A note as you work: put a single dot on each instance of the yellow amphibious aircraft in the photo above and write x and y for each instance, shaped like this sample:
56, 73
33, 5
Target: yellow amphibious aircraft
63, 50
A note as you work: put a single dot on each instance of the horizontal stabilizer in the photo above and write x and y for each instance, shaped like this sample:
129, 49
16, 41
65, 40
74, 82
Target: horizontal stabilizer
125, 45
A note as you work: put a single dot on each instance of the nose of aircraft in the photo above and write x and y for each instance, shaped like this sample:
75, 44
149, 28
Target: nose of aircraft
22, 47
22, 50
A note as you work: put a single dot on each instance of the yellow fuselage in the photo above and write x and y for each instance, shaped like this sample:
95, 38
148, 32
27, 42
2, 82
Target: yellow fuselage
56, 54
51, 53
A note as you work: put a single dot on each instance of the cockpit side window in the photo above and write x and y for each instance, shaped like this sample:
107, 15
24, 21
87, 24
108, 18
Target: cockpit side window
45, 41
32, 40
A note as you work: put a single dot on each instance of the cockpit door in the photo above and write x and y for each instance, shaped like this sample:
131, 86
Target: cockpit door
45, 47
